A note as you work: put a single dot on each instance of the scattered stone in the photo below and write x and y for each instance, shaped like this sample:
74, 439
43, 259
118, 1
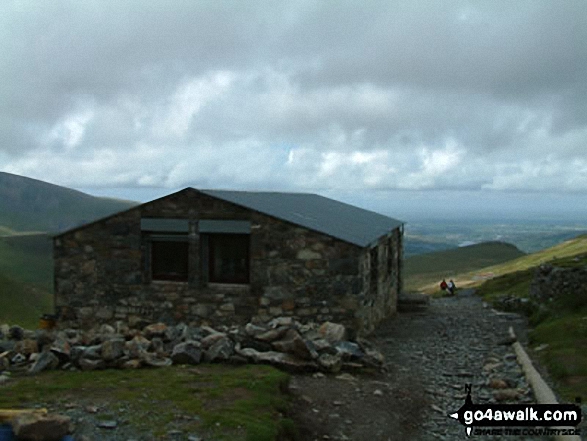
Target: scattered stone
107, 424
36, 427
26, 346
154, 360
330, 363
113, 349
87, 364
506, 394
16, 333
346, 377
497, 383
46, 360
378, 393
188, 352
155, 330
219, 351
332, 332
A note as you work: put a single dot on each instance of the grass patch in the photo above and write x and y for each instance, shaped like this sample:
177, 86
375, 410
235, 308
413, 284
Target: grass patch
28, 258
23, 304
226, 402
566, 355
515, 284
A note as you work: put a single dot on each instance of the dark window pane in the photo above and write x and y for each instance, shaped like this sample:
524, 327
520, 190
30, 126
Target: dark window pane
229, 258
169, 260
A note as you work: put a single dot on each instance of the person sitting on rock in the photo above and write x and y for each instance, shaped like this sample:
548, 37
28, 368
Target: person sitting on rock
451, 287
443, 285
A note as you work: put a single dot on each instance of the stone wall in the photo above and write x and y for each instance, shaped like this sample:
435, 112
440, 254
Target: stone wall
102, 273
552, 283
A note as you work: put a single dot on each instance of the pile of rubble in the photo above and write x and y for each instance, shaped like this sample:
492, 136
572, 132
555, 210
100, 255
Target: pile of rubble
282, 342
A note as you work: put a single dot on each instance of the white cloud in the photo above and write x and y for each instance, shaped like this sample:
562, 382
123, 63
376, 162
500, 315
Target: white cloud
309, 96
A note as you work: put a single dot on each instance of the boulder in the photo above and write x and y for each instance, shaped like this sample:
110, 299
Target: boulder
273, 334
211, 339
293, 343
45, 361
221, 350
155, 330
281, 321
87, 364
4, 361
157, 345
284, 361
6, 345
155, 360
36, 427
330, 363
4, 328
253, 330
113, 349
373, 358
26, 346
16, 333
258, 345
131, 364
322, 345
93, 352
106, 330
332, 332
349, 350
188, 352
137, 346
62, 350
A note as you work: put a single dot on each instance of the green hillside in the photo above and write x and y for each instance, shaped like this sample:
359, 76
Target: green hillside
430, 268
22, 303
30, 205
28, 259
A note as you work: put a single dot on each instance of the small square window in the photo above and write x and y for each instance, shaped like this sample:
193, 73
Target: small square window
228, 258
169, 260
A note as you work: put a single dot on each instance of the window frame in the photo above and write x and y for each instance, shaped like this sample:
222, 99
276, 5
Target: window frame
211, 261
168, 239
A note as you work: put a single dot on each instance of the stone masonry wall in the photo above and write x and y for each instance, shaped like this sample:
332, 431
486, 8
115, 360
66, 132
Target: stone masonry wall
102, 276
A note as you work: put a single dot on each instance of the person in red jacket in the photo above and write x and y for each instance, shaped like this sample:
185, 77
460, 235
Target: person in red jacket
443, 285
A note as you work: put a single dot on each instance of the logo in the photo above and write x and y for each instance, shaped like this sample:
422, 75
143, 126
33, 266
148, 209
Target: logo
473, 415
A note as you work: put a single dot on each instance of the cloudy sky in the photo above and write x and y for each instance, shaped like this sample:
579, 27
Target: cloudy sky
398, 106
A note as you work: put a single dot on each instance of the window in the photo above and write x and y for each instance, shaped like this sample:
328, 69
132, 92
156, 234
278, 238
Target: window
169, 259
228, 258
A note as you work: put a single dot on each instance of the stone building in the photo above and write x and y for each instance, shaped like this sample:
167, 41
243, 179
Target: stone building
221, 257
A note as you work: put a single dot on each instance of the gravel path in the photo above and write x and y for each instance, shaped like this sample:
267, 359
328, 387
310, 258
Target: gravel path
430, 357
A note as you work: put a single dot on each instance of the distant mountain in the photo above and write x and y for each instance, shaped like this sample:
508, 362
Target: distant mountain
31, 205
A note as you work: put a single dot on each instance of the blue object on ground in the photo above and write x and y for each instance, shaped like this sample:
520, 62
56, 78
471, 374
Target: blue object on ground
6, 433
67, 438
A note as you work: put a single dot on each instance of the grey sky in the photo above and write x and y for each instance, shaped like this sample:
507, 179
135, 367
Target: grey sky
374, 101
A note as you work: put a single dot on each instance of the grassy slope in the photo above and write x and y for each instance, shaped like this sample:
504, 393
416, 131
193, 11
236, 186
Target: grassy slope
430, 268
220, 402
22, 303
474, 278
26, 279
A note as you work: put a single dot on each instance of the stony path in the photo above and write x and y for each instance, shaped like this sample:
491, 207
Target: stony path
430, 355
456, 341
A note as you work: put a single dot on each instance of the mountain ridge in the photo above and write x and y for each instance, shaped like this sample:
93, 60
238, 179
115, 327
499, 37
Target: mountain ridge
28, 204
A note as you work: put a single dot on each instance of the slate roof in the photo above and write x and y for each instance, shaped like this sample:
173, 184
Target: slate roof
337, 219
